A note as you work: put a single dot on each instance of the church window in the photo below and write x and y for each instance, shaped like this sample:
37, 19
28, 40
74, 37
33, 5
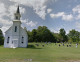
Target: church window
15, 28
22, 40
8, 39
16, 17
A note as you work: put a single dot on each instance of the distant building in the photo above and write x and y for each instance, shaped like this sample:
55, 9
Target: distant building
16, 36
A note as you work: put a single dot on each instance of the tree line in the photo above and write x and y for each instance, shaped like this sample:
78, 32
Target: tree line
42, 33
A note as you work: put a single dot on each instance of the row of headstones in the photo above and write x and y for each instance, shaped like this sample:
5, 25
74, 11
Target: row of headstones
38, 45
69, 45
55, 43
66, 45
43, 44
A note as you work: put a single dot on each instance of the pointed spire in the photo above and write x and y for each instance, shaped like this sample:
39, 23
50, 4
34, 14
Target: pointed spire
17, 15
18, 9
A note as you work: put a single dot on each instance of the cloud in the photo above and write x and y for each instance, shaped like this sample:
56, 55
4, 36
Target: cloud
2, 7
32, 24
49, 10
76, 9
57, 15
4, 22
41, 11
24, 21
67, 31
4, 25
38, 6
63, 15
55, 31
67, 17
78, 17
77, 24
3, 10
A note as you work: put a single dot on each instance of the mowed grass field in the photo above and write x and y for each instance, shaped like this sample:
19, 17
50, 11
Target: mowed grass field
48, 53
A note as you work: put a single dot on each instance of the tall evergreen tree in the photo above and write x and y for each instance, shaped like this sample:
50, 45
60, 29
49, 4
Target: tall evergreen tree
1, 38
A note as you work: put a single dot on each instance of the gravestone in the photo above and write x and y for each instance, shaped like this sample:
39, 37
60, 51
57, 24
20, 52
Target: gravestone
43, 45
76, 45
55, 43
59, 45
67, 45
63, 44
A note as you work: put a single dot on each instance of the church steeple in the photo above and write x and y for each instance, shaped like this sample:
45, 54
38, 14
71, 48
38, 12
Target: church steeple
17, 15
18, 9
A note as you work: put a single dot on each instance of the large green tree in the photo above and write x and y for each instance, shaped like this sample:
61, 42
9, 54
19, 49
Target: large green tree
62, 35
44, 34
74, 35
34, 35
29, 36
1, 38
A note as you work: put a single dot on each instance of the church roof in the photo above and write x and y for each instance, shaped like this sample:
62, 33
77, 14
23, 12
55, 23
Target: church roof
18, 9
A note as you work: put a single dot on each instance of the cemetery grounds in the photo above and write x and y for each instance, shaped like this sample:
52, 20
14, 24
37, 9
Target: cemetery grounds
34, 53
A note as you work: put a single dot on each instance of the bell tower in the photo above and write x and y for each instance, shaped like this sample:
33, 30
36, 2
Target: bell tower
16, 22
17, 15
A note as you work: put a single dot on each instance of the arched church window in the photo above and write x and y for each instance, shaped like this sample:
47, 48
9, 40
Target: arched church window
8, 39
22, 40
17, 17
15, 28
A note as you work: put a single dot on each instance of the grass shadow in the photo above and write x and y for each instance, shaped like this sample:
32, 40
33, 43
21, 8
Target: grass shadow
32, 47
1, 45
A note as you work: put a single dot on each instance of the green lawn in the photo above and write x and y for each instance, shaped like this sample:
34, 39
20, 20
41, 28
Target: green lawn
48, 53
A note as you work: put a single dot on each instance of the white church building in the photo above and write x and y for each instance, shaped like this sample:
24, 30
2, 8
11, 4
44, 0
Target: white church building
16, 36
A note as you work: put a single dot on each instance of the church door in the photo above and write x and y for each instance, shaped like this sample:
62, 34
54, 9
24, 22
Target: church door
15, 43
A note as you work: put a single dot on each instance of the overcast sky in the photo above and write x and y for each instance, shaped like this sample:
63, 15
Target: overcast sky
54, 14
